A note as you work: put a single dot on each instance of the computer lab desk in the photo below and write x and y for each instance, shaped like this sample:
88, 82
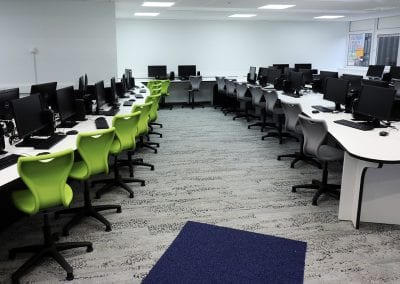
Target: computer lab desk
10, 174
370, 190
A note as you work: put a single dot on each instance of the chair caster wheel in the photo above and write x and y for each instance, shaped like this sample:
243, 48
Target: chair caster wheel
161, 136
248, 127
314, 202
70, 276
131, 195
278, 158
119, 210
89, 249
155, 152
292, 166
142, 183
108, 229
152, 168
294, 189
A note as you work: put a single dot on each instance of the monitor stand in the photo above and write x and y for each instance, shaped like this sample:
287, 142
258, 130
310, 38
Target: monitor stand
30, 142
67, 124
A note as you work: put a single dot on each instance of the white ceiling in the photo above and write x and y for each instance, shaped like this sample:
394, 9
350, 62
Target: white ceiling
305, 10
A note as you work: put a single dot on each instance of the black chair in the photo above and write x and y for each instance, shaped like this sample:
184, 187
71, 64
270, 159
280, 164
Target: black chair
244, 101
195, 82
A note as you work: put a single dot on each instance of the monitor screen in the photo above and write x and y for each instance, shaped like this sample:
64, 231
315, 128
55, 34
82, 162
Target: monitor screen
47, 93
273, 75
375, 71
280, 66
376, 102
6, 96
28, 107
252, 73
296, 79
100, 94
376, 83
395, 72
186, 70
336, 90
156, 71
298, 66
354, 81
66, 103
114, 94
307, 74
262, 72
323, 75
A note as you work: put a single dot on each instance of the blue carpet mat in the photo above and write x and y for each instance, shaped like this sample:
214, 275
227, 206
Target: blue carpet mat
203, 253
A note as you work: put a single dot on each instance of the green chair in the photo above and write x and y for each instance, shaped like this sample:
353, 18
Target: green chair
143, 125
126, 126
93, 148
46, 177
153, 114
164, 93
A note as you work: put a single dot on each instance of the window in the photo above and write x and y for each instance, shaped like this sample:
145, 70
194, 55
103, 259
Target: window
359, 49
388, 49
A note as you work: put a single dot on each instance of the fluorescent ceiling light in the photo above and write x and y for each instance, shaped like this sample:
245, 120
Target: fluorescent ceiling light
276, 6
328, 17
242, 15
158, 4
147, 14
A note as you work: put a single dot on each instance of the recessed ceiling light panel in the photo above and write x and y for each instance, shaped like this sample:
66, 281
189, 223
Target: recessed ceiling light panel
141, 14
158, 4
276, 6
329, 17
242, 15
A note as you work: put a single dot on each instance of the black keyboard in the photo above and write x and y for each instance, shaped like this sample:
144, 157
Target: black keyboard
49, 142
101, 123
322, 108
128, 103
8, 161
110, 112
357, 125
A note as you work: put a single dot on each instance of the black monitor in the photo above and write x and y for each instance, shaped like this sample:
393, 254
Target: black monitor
395, 72
324, 75
28, 116
354, 81
156, 71
307, 75
375, 71
129, 78
114, 93
336, 91
47, 93
298, 66
376, 103
262, 72
280, 66
376, 83
6, 96
66, 107
184, 71
296, 81
252, 74
81, 87
86, 82
273, 75
100, 95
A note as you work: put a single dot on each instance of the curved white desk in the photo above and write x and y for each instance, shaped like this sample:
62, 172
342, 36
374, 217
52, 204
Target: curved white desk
370, 190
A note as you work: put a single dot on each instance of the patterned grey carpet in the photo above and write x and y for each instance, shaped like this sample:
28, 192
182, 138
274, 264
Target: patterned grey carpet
214, 170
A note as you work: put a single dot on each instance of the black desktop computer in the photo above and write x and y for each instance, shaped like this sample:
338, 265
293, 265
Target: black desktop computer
47, 93
375, 71
66, 107
6, 96
185, 71
156, 71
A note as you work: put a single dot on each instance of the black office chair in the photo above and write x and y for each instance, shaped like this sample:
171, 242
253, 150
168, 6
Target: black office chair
195, 82
292, 112
230, 94
258, 101
315, 133
219, 99
244, 101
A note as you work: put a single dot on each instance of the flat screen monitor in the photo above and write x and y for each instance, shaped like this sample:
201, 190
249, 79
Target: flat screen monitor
114, 93
66, 104
280, 66
307, 74
298, 66
395, 72
354, 81
28, 115
100, 95
47, 93
6, 96
252, 74
376, 83
375, 71
273, 75
184, 71
296, 80
129, 78
156, 71
324, 75
336, 91
376, 102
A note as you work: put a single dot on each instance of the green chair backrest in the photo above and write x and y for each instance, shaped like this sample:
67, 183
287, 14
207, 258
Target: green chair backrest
156, 90
126, 128
153, 83
143, 127
164, 87
46, 177
153, 114
94, 148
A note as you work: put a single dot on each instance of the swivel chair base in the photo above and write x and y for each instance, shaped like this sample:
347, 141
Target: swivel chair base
147, 144
280, 136
298, 156
88, 210
49, 248
156, 123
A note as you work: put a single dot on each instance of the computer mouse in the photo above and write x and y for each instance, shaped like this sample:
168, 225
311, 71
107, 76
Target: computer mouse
132, 100
315, 111
42, 153
72, 132
383, 133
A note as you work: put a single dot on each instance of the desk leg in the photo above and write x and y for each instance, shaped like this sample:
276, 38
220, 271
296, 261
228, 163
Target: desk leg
352, 181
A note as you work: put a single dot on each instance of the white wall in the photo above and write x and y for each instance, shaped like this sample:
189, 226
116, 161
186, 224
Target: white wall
228, 47
73, 38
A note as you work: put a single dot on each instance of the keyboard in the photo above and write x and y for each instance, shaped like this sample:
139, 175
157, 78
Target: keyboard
110, 112
8, 161
322, 108
357, 125
49, 142
138, 96
128, 103
101, 123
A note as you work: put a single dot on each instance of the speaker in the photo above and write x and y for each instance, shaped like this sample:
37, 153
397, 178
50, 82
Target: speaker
80, 110
198, 73
172, 75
